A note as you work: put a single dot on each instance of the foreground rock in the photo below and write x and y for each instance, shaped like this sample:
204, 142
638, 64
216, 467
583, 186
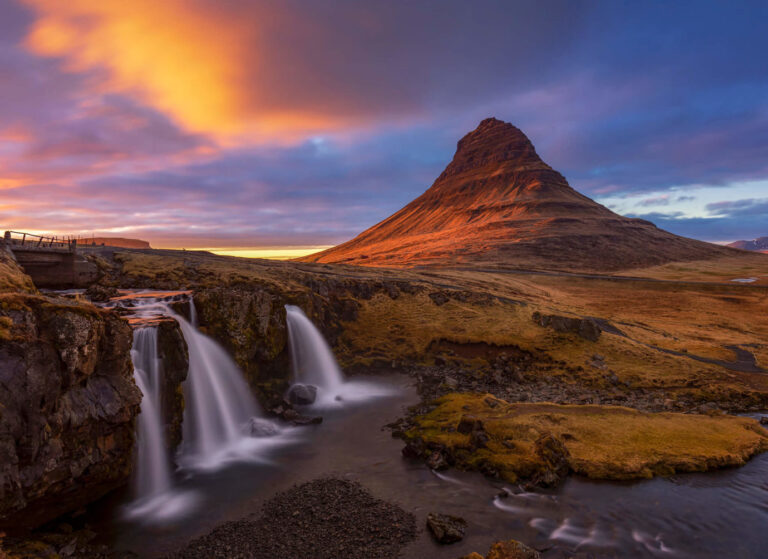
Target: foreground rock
446, 528
67, 407
542, 443
323, 519
509, 549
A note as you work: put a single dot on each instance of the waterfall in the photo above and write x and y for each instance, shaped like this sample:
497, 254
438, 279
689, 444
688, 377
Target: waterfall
153, 472
192, 312
313, 363
311, 358
219, 403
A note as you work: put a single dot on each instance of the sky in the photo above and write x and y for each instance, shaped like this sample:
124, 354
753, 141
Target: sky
235, 124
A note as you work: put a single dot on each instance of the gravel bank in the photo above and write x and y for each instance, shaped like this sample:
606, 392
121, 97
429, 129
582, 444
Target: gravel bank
322, 519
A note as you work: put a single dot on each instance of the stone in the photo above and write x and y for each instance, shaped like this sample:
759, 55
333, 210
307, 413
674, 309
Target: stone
512, 549
764, 420
302, 394
586, 328
101, 293
259, 427
473, 555
437, 461
469, 423
69, 406
478, 439
445, 528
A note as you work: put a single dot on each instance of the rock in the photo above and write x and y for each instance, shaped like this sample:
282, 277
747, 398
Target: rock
302, 394
478, 439
445, 528
307, 420
764, 420
69, 404
512, 549
469, 423
413, 450
174, 357
586, 328
555, 456
437, 461
259, 427
450, 382
473, 555
101, 293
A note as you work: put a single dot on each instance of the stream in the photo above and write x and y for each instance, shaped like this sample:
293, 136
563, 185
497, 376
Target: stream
720, 514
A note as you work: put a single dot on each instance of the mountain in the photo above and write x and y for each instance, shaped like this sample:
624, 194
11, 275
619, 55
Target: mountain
758, 245
497, 204
114, 242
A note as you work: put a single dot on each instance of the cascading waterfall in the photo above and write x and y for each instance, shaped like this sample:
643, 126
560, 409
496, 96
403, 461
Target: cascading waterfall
153, 471
311, 358
220, 409
313, 363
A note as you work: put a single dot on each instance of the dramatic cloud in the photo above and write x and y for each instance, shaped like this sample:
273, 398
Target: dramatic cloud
210, 123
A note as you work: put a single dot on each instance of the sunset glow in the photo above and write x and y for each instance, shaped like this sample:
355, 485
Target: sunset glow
199, 123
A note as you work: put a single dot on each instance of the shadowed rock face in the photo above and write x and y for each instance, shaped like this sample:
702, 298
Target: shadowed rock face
68, 404
498, 204
758, 245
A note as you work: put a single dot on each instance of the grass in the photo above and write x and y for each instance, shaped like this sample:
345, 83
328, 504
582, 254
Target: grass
604, 442
12, 277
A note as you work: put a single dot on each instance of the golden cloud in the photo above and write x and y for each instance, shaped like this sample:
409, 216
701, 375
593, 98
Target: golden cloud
193, 61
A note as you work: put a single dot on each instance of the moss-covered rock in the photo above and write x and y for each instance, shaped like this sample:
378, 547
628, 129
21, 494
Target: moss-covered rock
542, 442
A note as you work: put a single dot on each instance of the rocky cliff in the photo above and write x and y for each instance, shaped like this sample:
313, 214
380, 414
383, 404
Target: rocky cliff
498, 204
68, 405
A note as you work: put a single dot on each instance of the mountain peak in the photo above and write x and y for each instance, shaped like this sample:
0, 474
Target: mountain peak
498, 204
493, 141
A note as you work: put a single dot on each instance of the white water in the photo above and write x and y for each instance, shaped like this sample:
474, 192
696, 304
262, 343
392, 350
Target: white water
219, 407
153, 471
313, 362
155, 497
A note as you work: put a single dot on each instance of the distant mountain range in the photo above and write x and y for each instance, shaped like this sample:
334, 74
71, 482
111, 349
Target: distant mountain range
758, 245
114, 242
497, 204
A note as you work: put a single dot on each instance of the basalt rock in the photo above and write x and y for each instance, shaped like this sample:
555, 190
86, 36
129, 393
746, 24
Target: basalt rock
445, 528
174, 355
68, 405
302, 394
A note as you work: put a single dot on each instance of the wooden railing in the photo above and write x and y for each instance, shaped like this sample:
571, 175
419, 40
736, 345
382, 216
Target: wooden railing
29, 241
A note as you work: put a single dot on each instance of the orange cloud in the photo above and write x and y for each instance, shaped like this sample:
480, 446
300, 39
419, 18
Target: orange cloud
174, 55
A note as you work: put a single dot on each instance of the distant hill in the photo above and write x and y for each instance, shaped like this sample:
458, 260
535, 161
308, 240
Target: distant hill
498, 204
758, 245
114, 242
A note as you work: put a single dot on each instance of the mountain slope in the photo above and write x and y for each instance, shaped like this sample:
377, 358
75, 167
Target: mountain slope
498, 204
759, 245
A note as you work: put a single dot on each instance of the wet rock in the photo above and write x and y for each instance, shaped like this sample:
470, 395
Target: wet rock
302, 394
437, 461
512, 549
307, 420
445, 528
764, 420
174, 357
413, 450
259, 427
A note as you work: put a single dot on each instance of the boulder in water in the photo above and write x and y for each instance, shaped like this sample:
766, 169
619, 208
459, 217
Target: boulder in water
302, 394
446, 528
260, 427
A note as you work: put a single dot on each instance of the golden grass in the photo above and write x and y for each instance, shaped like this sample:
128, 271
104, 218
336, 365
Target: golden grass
604, 442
